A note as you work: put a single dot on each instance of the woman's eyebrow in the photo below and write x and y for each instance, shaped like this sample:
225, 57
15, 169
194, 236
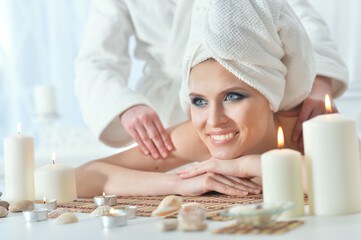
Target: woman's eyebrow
195, 94
230, 89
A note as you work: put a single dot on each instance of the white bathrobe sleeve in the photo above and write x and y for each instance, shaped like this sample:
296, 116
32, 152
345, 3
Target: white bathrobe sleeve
328, 61
102, 70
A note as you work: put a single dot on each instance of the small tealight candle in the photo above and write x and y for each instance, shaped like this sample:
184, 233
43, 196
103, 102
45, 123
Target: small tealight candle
115, 218
282, 178
130, 210
35, 215
45, 205
110, 200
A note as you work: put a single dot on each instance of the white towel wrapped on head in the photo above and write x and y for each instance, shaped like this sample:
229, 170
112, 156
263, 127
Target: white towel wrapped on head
262, 42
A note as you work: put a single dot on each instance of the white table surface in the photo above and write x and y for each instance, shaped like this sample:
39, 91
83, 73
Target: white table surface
14, 227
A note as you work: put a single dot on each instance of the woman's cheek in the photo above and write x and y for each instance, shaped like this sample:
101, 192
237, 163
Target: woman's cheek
196, 118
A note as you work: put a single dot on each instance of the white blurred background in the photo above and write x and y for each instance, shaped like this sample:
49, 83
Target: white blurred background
39, 41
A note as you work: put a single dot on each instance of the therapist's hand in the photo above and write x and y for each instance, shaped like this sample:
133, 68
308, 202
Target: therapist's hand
313, 105
145, 127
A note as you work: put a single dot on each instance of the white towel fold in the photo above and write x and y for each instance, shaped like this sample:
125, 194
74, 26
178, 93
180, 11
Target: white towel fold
262, 42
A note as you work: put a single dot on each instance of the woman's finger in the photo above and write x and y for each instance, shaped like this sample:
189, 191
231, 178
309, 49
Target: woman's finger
212, 184
198, 169
147, 141
225, 167
247, 182
235, 183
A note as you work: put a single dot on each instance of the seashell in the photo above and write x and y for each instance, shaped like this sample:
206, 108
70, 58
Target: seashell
100, 211
3, 212
4, 204
57, 212
21, 206
66, 218
192, 217
168, 225
168, 206
192, 226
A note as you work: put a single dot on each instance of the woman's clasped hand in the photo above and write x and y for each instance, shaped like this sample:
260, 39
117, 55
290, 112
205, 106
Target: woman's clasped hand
231, 177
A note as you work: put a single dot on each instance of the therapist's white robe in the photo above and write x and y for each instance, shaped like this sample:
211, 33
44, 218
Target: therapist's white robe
103, 64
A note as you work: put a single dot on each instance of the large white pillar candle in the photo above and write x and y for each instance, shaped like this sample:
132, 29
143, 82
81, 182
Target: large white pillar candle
55, 181
331, 145
19, 167
44, 98
282, 179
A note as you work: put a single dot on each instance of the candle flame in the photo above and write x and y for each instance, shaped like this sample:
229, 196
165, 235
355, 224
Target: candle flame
111, 211
280, 137
53, 157
19, 128
103, 194
328, 103
44, 199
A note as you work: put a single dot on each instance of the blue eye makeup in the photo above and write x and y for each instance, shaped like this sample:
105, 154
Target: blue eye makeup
198, 101
234, 96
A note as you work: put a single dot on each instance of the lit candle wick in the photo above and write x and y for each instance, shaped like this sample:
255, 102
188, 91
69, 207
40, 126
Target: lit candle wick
44, 199
280, 138
328, 104
103, 194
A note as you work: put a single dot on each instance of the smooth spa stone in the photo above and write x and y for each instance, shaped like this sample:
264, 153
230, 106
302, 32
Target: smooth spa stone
192, 217
168, 206
57, 212
4, 204
3, 212
66, 218
21, 206
100, 211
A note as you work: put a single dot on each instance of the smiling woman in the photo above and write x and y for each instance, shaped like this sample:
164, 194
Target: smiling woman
231, 118
235, 84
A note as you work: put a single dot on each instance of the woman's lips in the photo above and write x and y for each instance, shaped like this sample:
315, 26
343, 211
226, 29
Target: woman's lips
222, 139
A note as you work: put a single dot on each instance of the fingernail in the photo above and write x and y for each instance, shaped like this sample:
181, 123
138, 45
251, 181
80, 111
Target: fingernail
256, 191
244, 192
164, 154
170, 148
156, 156
182, 175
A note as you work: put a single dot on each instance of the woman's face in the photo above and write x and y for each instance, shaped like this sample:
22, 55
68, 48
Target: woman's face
231, 117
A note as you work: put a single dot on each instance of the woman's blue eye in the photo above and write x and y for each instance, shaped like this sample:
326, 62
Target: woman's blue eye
234, 96
198, 102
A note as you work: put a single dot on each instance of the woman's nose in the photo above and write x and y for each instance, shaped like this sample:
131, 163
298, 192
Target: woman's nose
216, 116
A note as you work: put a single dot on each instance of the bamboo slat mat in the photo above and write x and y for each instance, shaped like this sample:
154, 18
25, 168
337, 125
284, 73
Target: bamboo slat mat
213, 203
276, 228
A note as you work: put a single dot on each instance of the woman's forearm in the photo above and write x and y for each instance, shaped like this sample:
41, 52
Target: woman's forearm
97, 177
